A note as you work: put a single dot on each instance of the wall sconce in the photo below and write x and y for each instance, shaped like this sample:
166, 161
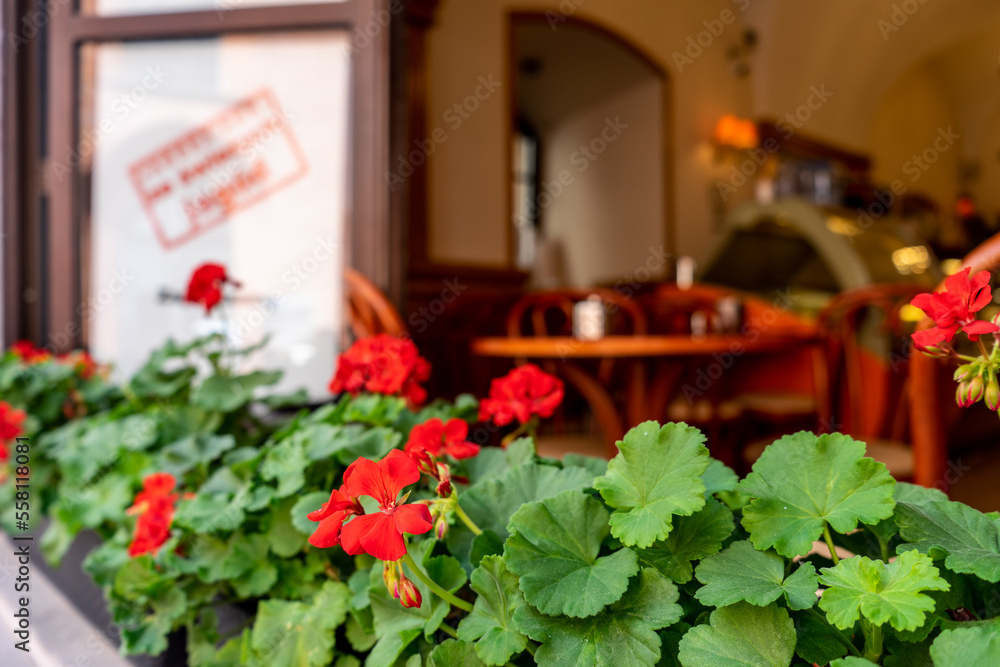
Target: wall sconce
738, 133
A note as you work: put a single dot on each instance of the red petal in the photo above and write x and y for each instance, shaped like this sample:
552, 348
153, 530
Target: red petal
351, 533
413, 519
978, 327
383, 540
456, 430
328, 531
338, 502
463, 450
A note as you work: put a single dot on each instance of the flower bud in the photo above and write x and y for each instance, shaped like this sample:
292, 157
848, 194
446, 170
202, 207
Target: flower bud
962, 395
963, 372
976, 388
443, 489
992, 395
391, 575
441, 527
409, 595
934, 351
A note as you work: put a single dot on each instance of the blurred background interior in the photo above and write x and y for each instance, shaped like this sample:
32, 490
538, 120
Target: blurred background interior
712, 211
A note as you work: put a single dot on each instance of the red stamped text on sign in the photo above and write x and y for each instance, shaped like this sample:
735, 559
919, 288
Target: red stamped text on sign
200, 179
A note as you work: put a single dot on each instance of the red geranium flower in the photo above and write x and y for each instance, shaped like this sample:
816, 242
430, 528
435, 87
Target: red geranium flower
206, 284
331, 517
436, 437
155, 506
26, 351
522, 393
954, 309
381, 534
11, 426
82, 363
382, 364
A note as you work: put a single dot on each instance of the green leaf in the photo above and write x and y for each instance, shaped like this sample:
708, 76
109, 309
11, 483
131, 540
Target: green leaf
485, 544
148, 634
818, 642
310, 502
595, 466
741, 572
719, 477
209, 513
881, 592
966, 647
802, 481
741, 635
693, 538
283, 537
554, 549
300, 634
193, 450
968, 540
852, 661
622, 634
285, 463
453, 653
655, 475
491, 620
491, 504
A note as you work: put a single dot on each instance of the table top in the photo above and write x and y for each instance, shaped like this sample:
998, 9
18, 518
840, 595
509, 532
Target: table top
567, 347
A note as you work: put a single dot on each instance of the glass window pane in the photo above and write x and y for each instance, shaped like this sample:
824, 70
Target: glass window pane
121, 7
217, 150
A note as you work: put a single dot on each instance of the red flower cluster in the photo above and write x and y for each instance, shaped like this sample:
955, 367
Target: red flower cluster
11, 426
82, 363
436, 438
206, 284
382, 364
954, 309
524, 392
379, 534
155, 507
26, 351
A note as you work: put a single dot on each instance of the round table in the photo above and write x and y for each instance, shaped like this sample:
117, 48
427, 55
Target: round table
645, 399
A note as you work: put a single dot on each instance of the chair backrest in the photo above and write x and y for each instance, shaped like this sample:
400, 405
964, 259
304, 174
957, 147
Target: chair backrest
550, 313
928, 393
671, 309
867, 349
369, 312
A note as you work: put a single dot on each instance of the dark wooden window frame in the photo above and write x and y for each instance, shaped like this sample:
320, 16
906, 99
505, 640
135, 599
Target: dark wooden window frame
43, 216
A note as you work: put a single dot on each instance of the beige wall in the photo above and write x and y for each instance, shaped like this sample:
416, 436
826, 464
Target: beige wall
906, 125
468, 214
610, 215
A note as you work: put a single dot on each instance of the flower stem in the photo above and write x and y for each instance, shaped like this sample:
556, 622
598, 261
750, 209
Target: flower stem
448, 630
873, 641
829, 543
476, 530
437, 590
982, 348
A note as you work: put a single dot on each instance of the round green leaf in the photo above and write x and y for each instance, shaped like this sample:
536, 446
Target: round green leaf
655, 475
967, 647
554, 549
743, 573
741, 635
803, 481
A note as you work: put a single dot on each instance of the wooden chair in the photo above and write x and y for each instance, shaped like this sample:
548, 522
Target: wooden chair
861, 380
867, 351
550, 313
931, 389
369, 312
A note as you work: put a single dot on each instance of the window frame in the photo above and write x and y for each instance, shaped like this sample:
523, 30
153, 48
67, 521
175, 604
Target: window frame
45, 218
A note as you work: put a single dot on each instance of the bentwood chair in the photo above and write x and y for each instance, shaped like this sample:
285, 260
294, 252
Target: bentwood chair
868, 351
549, 313
369, 312
931, 390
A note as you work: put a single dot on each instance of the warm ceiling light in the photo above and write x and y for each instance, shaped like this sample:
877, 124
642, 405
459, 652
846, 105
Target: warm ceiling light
735, 132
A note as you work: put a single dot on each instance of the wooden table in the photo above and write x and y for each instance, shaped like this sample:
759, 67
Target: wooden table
646, 399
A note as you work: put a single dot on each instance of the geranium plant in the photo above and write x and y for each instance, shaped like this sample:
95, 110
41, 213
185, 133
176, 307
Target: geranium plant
370, 532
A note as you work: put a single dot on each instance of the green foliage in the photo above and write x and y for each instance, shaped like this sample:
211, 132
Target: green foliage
660, 557
655, 475
881, 592
803, 481
554, 550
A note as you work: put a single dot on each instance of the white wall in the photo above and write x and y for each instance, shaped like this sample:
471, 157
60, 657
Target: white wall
611, 214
